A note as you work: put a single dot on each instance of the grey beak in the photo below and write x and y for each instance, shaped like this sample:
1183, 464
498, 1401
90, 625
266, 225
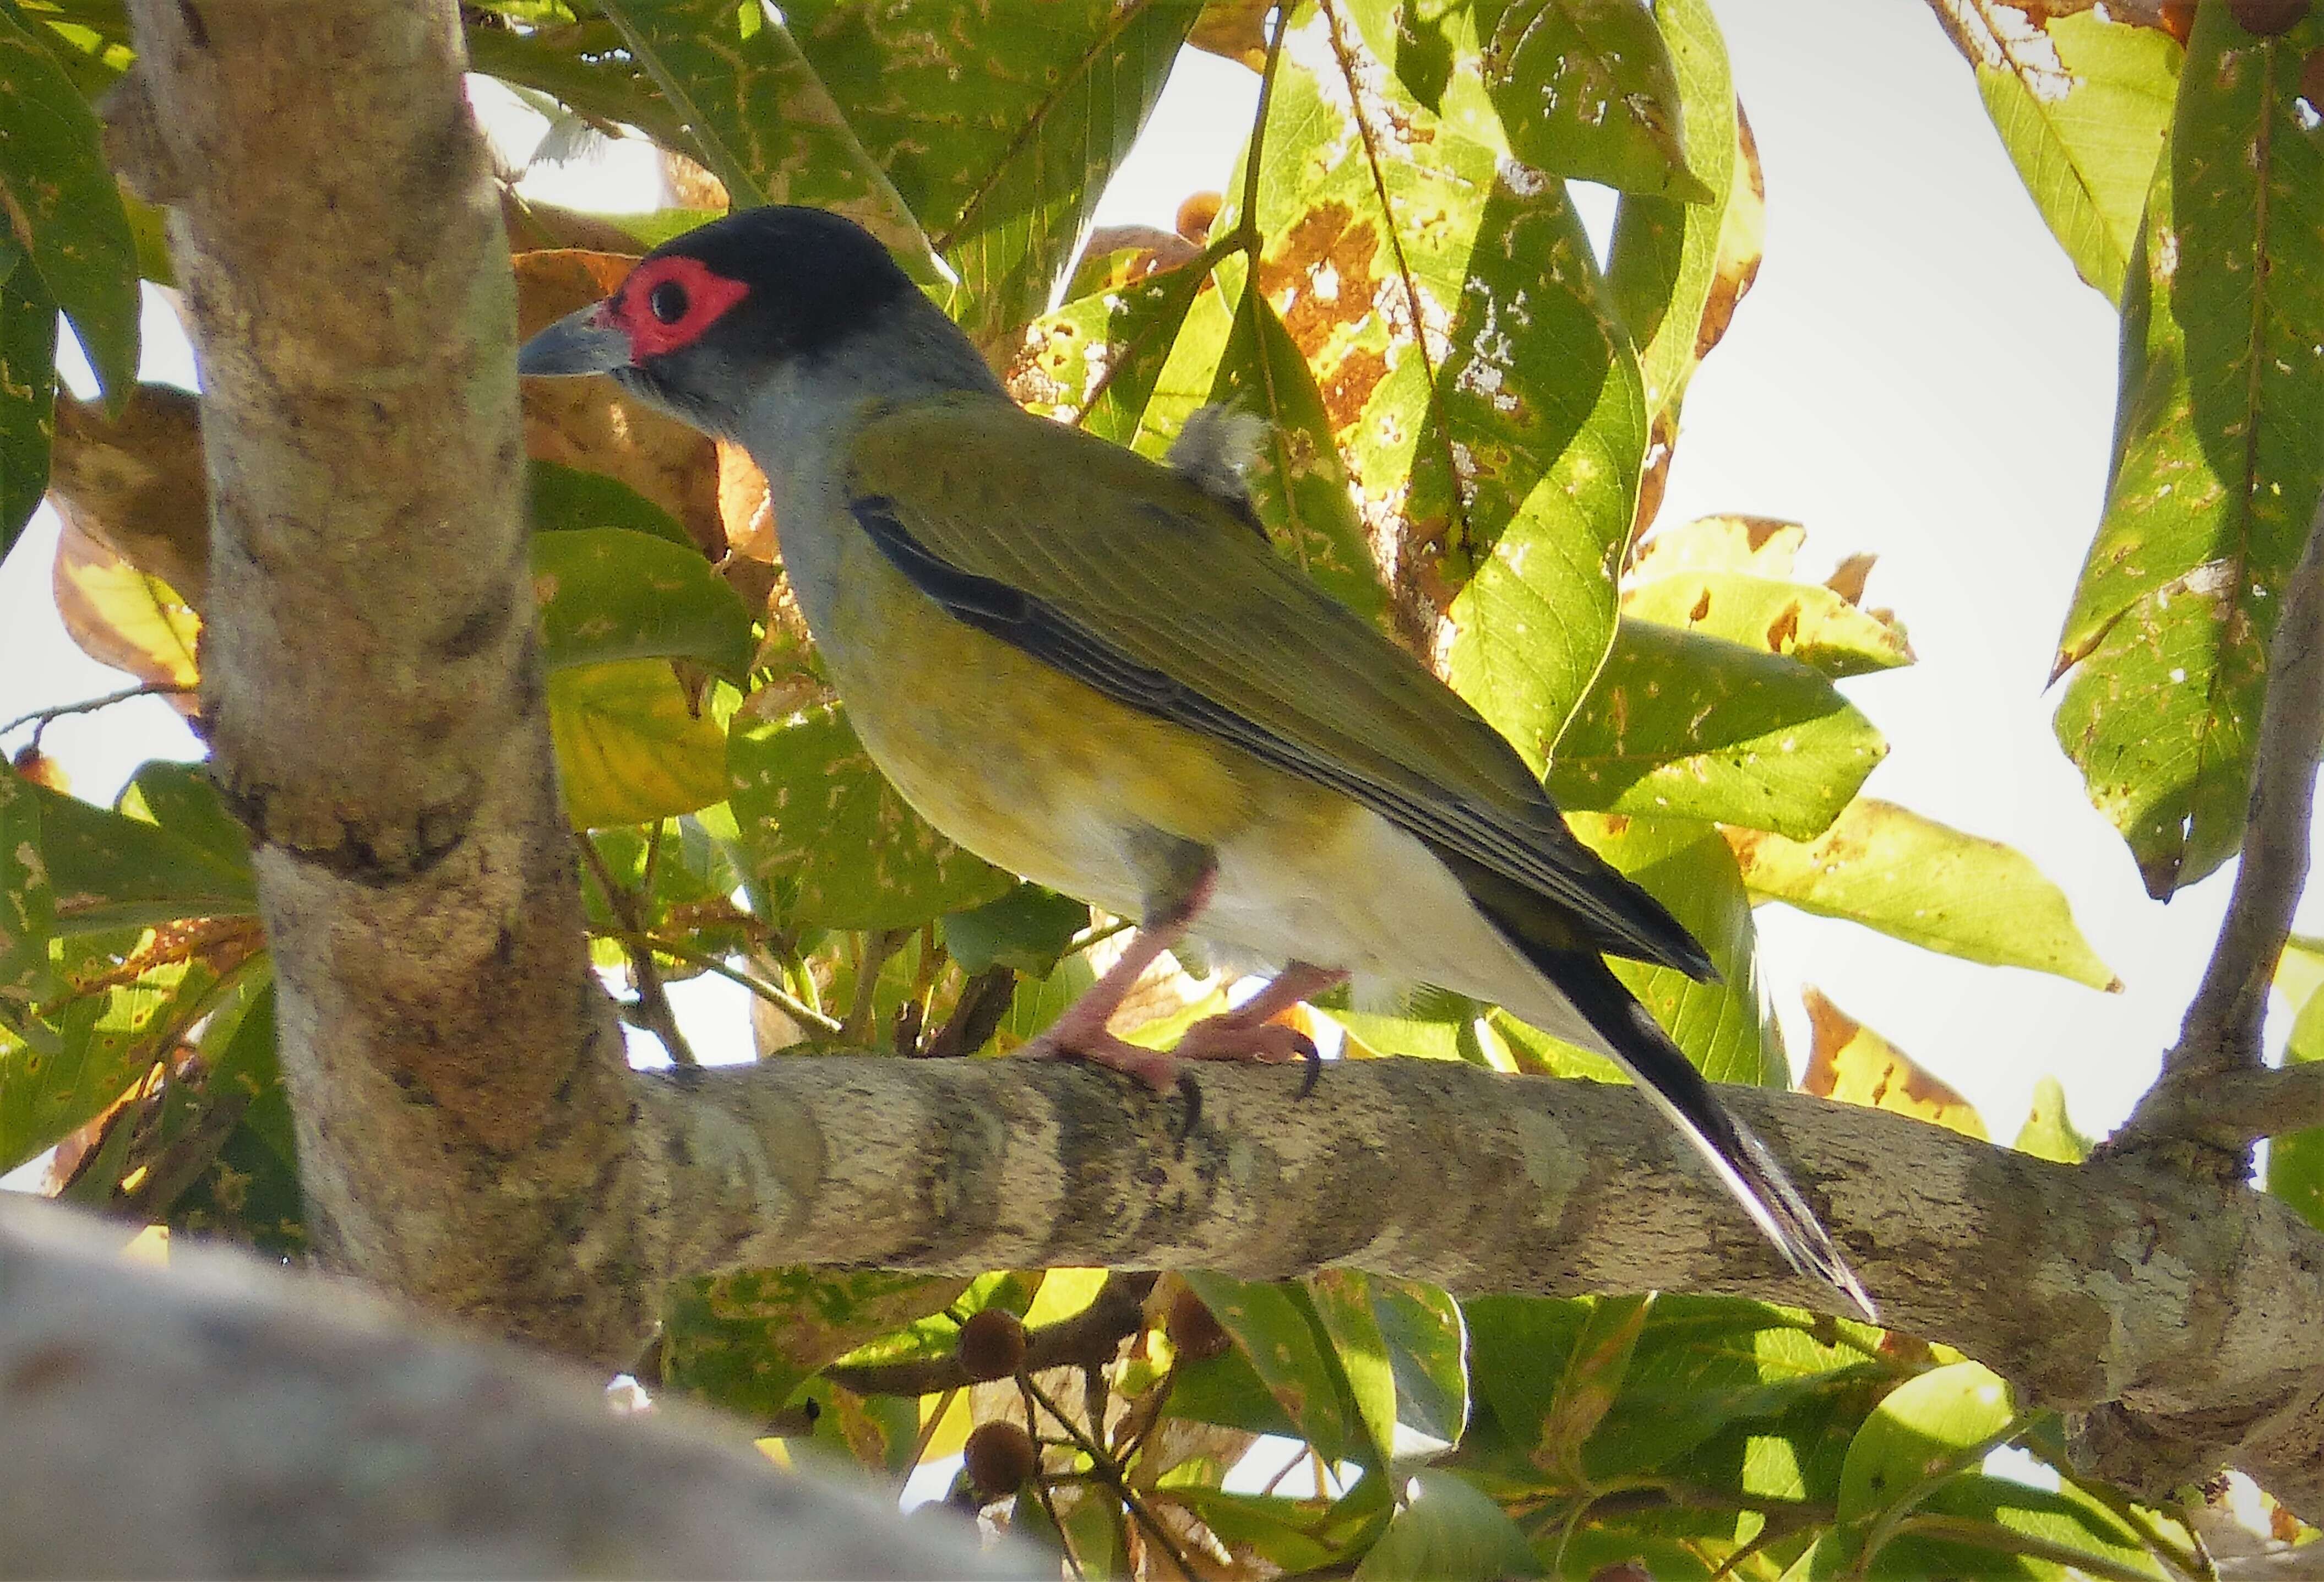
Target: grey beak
582, 342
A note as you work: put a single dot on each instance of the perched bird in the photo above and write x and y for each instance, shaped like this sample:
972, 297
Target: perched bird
1089, 669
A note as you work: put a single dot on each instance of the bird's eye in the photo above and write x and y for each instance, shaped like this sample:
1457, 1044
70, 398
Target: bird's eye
666, 301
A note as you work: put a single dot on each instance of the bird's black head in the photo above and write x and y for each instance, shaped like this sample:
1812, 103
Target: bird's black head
706, 316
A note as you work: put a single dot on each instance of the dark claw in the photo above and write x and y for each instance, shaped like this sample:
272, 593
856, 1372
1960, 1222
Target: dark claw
1192, 1092
1314, 1059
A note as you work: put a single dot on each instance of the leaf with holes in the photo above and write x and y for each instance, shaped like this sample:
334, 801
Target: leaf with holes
1805, 621
1096, 360
821, 827
61, 208
2082, 104
106, 871
762, 119
1484, 398
998, 127
1914, 879
1680, 724
1299, 484
1586, 88
2219, 460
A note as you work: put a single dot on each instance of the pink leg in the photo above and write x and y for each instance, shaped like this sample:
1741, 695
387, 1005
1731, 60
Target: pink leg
1081, 1031
1249, 1031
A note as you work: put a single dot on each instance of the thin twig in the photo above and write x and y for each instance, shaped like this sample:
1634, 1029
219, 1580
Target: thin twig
1112, 1477
42, 719
774, 995
653, 1009
2223, 1022
879, 945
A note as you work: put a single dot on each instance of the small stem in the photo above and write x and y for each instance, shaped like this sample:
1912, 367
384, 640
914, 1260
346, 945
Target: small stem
879, 945
1111, 1472
653, 1005
42, 719
774, 995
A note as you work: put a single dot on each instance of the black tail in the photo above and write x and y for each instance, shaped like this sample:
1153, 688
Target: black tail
1746, 1165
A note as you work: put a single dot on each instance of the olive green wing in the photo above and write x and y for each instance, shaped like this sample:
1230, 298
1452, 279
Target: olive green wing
1131, 578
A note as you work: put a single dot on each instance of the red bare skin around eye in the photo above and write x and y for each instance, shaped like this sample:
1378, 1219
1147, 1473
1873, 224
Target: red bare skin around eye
708, 294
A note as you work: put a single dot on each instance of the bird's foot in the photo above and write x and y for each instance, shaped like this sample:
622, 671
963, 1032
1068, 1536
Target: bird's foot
1158, 1068
1232, 1037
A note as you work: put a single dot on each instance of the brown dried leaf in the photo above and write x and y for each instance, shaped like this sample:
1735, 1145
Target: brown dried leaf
589, 423
1742, 241
136, 485
1855, 1065
1848, 579
1234, 29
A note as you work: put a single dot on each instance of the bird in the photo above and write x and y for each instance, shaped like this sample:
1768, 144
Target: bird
1092, 669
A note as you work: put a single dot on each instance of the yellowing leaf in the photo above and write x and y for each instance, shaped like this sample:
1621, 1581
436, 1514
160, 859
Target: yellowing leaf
122, 617
2047, 1133
1914, 879
1763, 546
630, 748
1854, 1064
1802, 620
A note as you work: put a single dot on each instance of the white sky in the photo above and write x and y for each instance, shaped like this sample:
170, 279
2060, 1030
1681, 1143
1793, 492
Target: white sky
1918, 373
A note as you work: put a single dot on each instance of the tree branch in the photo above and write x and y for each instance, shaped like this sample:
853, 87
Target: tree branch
2192, 1314
2223, 1021
370, 670
224, 1420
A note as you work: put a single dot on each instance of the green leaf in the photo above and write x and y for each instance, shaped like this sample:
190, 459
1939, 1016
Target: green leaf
1342, 1299
1665, 270
1448, 1532
1687, 725
2295, 1160
182, 799
610, 594
1715, 1369
115, 1022
747, 1341
1029, 928
2219, 460
1427, 1346
821, 826
1096, 360
2083, 105
28, 906
1722, 1026
62, 209
2047, 1133
761, 117
1299, 484
1593, 1376
107, 870
999, 126
631, 745
28, 398
1804, 620
1286, 1532
566, 497
1924, 1431
1276, 1328
1485, 400
249, 1190
1927, 883
1585, 89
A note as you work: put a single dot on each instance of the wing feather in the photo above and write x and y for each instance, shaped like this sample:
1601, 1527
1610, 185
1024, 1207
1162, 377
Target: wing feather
1173, 607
